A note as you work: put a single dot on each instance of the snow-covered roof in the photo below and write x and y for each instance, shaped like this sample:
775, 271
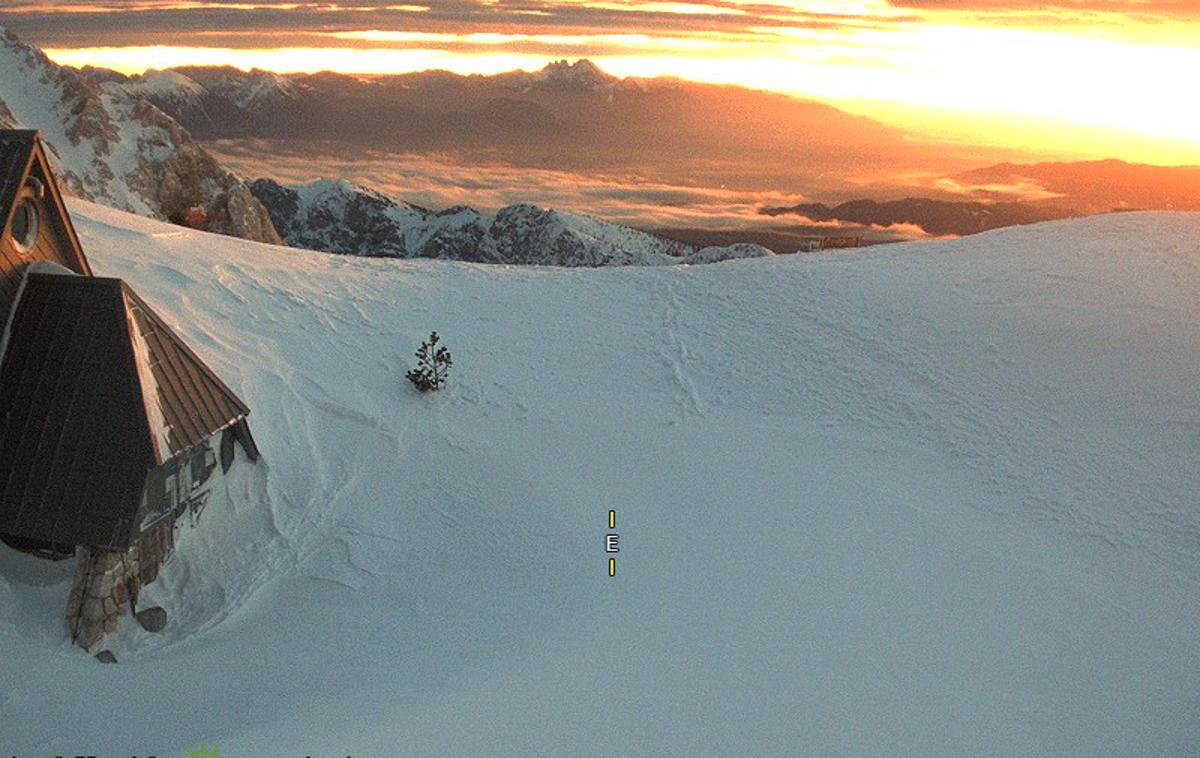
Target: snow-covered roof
95, 390
185, 401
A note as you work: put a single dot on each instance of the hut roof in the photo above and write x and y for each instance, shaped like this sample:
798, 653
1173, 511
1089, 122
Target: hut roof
95, 390
16, 153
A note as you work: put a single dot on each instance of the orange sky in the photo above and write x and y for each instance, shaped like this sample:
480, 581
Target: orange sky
1077, 78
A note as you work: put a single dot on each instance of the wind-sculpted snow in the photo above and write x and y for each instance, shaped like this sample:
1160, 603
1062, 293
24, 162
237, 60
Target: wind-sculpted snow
340, 217
930, 499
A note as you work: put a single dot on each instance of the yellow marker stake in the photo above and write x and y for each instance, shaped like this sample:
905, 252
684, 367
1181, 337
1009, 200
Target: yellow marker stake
612, 566
612, 519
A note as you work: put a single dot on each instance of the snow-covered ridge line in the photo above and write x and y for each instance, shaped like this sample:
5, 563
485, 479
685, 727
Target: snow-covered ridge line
340, 217
113, 146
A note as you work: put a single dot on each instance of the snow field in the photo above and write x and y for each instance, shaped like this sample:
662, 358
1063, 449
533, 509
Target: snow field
930, 499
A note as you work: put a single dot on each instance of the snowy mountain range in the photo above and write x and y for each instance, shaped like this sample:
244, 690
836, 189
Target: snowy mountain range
565, 115
195, 86
340, 217
115, 147
207, 100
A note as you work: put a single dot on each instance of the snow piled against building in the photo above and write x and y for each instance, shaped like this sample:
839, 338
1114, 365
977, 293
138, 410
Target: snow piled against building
929, 499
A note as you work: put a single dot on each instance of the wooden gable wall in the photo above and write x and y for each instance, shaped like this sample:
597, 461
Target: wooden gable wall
56, 240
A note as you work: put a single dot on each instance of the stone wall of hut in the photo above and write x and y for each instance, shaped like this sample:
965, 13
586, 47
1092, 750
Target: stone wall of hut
107, 583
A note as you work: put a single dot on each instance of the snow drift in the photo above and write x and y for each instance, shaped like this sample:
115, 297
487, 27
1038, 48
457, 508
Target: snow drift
934, 499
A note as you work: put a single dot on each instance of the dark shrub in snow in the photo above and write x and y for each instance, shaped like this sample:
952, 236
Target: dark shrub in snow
433, 365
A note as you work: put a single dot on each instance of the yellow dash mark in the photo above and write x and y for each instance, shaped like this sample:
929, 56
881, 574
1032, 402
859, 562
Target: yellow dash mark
612, 566
612, 519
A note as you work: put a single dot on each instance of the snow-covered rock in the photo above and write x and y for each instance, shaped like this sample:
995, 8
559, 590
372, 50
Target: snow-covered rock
336, 216
716, 254
341, 217
254, 90
165, 85
113, 146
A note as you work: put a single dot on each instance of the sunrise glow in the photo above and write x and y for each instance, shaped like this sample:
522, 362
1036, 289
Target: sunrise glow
1067, 80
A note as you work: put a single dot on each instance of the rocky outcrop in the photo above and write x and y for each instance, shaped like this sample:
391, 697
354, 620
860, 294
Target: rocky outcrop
339, 217
113, 147
7, 119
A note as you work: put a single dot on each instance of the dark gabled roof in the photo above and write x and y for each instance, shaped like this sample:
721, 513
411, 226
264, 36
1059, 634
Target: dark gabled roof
185, 400
16, 153
94, 392
74, 448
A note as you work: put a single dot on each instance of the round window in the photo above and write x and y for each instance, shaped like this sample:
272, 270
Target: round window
25, 225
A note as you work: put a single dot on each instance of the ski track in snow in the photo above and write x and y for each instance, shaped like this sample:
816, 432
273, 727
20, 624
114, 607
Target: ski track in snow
675, 353
934, 499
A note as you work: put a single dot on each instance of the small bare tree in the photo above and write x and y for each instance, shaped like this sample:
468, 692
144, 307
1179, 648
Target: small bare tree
433, 365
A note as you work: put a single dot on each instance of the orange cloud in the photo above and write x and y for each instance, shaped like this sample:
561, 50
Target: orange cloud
1100, 77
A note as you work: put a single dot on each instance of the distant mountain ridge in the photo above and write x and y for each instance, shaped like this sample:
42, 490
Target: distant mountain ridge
1060, 190
112, 146
936, 217
1097, 186
568, 115
128, 142
340, 217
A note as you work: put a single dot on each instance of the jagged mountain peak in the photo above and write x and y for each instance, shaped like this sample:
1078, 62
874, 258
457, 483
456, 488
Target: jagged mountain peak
582, 75
322, 189
253, 90
165, 83
264, 88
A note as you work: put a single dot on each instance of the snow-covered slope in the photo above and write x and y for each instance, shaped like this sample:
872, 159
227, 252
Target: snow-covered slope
933, 499
214, 100
254, 90
113, 146
250, 91
341, 217
170, 86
